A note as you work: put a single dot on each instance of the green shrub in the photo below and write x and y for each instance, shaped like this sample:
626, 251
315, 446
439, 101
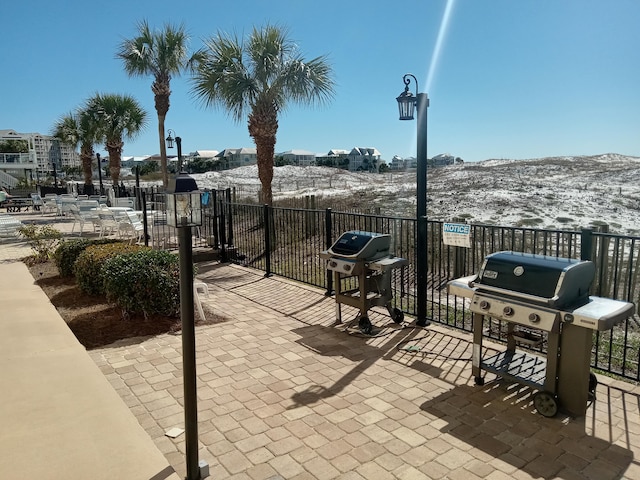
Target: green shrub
68, 251
146, 281
88, 267
43, 241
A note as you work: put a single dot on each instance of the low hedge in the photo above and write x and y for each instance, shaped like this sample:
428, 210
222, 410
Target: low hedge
146, 281
68, 251
88, 267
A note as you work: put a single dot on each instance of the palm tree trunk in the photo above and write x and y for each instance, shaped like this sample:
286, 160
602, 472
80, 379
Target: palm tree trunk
86, 157
265, 147
115, 160
263, 126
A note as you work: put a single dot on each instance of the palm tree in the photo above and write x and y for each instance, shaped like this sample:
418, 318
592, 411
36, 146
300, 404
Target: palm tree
78, 129
161, 54
259, 77
117, 117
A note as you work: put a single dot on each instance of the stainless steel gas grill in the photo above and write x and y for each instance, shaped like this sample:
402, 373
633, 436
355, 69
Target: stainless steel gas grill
540, 296
362, 268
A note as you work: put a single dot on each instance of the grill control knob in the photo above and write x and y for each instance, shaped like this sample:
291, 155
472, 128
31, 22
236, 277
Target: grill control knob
484, 305
333, 264
534, 317
347, 267
508, 311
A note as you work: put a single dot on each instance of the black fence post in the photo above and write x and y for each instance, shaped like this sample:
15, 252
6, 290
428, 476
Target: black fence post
230, 217
267, 240
145, 221
223, 237
586, 244
216, 208
328, 240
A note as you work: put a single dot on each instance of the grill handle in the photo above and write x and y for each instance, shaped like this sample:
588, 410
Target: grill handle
550, 302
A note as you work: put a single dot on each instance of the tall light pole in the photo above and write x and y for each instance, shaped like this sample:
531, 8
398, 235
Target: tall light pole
99, 171
179, 144
184, 210
406, 104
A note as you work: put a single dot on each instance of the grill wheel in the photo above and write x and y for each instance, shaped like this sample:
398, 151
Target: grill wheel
365, 326
545, 404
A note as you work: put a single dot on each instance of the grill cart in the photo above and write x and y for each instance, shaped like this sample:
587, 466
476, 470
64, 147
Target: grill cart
537, 294
363, 259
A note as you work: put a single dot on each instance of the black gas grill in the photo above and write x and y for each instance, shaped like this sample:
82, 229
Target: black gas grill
540, 296
362, 268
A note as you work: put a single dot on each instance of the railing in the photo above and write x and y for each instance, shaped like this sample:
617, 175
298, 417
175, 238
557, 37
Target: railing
287, 242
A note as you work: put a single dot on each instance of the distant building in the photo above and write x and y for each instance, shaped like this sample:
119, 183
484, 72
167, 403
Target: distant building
334, 158
398, 163
44, 152
203, 154
361, 158
237, 157
442, 160
300, 158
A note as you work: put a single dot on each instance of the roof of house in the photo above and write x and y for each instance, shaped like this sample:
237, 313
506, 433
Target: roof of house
297, 152
227, 152
204, 153
334, 152
370, 151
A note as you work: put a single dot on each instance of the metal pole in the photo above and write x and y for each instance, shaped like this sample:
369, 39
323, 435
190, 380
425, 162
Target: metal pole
188, 352
422, 102
99, 172
179, 143
145, 220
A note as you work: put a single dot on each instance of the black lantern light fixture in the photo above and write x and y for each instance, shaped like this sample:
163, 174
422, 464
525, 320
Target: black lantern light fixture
407, 102
178, 141
184, 211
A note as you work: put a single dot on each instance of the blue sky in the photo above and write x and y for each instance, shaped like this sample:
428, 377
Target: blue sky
508, 79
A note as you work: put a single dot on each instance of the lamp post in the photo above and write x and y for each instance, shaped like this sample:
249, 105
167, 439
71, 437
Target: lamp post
184, 210
99, 171
406, 103
179, 144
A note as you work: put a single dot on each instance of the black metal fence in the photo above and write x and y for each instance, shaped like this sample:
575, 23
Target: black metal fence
287, 242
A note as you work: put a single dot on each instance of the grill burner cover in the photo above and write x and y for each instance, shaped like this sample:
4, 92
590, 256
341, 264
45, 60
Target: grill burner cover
552, 281
359, 245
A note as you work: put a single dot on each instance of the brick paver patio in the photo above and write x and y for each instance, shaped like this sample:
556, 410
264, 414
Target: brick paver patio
283, 393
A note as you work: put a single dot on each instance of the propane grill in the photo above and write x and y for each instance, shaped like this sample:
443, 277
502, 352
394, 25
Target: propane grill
540, 296
362, 267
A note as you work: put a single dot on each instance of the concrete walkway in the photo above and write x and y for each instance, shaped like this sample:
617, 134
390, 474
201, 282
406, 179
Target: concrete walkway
60, 417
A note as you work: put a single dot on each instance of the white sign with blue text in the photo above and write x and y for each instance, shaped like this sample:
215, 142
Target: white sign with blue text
456, 234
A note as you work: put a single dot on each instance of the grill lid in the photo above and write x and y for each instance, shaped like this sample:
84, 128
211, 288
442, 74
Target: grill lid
360, 245
554, 281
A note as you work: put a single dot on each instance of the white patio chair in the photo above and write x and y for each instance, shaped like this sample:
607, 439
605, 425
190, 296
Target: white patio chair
37, 203
130, 225
64, 207
84, 216
129, 202
9, 226
49, 204
108, 222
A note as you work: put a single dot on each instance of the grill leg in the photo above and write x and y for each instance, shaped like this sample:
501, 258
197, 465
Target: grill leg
574, 368
476, 360
338, 291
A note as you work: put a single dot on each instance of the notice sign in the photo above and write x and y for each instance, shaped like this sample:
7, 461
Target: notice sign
456, 234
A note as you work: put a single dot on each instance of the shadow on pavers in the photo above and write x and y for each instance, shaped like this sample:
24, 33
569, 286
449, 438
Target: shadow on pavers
332, 341
500, 420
